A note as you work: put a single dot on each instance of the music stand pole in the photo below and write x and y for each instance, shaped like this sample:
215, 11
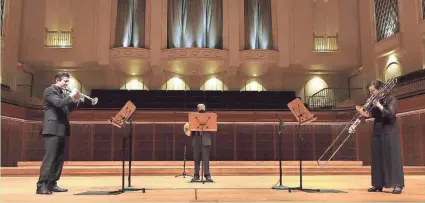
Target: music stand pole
130, 158
300, 154
119, 121
184, 174
280, 186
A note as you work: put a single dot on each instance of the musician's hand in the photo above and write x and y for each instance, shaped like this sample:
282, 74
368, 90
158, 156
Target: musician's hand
76, 98
377, 104
359, 108
74, 92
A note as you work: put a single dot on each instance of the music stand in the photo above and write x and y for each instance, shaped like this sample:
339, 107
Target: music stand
303, 116
281, 128
122, 117
200, 122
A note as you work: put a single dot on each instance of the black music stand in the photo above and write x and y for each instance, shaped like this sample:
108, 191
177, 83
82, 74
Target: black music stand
123, 117
281, 128
184, 174
303, 116
200, 122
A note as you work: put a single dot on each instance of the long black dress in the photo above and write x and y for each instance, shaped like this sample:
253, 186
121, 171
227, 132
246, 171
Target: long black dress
387, 165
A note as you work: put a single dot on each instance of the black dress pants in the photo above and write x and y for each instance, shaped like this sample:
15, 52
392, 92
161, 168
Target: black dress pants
51, 168
199, 149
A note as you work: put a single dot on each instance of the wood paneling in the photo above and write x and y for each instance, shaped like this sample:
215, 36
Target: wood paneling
241, 136
21, 141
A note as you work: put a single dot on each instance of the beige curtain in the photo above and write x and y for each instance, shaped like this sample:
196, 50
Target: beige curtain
195, 23
130, 23
258, 24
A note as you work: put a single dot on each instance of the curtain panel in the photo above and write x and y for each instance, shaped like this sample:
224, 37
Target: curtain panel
130, 23
258, 24
195, 24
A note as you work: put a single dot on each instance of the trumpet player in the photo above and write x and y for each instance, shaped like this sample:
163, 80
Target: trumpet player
56, 128
386, 165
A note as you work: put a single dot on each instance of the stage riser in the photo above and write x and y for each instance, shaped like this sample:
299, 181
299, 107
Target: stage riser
21, 141
116, 171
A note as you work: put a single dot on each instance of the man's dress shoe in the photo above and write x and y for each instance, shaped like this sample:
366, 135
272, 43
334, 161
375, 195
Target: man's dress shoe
43, 191
58, 189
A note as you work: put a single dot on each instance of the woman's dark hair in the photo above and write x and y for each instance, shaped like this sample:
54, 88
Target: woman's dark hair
377, 84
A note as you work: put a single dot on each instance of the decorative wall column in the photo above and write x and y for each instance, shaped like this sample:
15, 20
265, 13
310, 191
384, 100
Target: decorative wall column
366, 16
234, 33
157, 32
410, 36
283, 22
103, 18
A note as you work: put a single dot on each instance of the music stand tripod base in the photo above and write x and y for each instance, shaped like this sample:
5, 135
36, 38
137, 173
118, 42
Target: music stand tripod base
280, 187
130, 188
303, 189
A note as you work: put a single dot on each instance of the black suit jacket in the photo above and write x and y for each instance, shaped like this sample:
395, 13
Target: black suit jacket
196, 138
56, 109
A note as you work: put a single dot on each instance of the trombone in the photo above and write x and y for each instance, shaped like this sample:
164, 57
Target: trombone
355, 121
93, 100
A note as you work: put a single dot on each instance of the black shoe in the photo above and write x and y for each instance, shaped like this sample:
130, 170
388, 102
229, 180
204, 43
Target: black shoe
43, 191
58, 189
195, 178
208, 178
397, 190
375, 189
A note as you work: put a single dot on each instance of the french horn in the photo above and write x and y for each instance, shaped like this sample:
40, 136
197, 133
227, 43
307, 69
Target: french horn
186, 129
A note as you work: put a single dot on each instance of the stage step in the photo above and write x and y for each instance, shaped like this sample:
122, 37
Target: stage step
218, 168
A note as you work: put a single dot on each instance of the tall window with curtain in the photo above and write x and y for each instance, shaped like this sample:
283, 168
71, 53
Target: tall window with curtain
195, 24
258, 24
130, 23
423, 9
386, 17
1, 16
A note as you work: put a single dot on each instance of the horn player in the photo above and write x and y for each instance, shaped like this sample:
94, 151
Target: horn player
201, 145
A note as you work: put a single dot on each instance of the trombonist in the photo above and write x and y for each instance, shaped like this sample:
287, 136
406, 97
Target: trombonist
55, 129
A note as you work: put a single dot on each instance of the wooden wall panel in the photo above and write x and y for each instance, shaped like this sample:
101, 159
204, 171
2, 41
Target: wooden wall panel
102, 142
264, 141
118, 134
364, 135
143, 142
307, 144
15, 137
21, 141
5, 142
32, 143
245, 142
164, 142
322, 139
422, 117
411, 129
225, 143
288, 143
81, 142
348, 151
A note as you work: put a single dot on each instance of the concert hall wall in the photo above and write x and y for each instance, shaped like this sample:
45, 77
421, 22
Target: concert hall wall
241, 135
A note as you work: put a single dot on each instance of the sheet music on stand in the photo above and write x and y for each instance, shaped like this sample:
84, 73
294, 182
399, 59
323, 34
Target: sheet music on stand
123, 115
300, 112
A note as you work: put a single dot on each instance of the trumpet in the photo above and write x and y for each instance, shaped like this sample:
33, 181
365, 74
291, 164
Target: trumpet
93, 100
356, 120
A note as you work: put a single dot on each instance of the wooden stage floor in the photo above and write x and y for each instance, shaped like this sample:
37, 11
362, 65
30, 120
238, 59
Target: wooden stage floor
225, 189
